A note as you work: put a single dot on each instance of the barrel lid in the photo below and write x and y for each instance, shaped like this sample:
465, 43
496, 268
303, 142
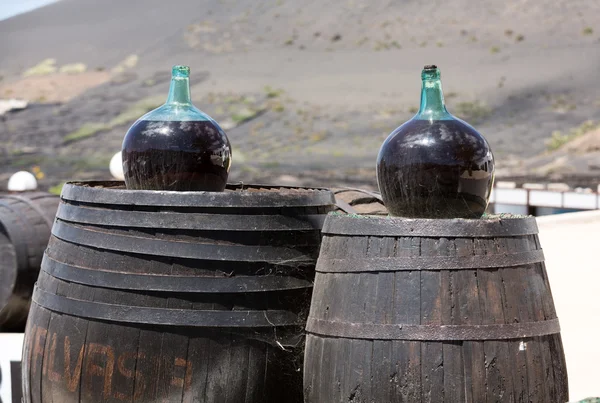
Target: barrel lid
485, 227
235, 195
8, 270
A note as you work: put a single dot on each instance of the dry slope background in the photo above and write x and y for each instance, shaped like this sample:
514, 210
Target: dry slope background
308, 89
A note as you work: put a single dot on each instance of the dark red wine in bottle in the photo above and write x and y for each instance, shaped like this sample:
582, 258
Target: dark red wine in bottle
435, 165
176, 146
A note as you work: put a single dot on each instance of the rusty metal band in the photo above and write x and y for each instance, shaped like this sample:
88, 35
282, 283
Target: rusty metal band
188, 221
374, 195
428, 263
103, 239
18, 230
235, 196
33, 206
432, 332
345, 207
337, 224
162, 316
8, 271
170, 283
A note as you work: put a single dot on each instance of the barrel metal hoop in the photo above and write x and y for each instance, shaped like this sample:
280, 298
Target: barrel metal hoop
280, 196
374, 195
162, 316
451, 228
103, 239
345, 207
188, 221
428, 263
373, 331
17, 229
8, 271
170, 283
35, 207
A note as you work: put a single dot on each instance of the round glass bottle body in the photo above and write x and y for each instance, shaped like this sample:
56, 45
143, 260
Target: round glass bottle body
435, 165
176, 146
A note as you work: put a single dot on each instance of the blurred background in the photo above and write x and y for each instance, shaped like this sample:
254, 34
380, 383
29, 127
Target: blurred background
306, 91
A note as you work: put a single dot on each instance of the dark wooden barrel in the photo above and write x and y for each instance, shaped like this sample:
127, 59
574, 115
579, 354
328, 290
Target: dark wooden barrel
149, 296
25, 220
420, 310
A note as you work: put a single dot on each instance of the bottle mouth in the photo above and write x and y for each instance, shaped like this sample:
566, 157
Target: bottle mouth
180, 71
430, 72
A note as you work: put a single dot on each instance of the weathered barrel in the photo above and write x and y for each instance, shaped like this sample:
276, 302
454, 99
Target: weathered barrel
25, 220
152, 296
422, 310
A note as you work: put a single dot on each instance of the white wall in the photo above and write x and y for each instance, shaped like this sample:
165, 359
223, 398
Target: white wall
571, 244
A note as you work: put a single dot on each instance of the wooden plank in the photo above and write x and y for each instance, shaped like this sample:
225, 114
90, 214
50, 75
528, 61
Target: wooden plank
553, 351
359, 376
559, 368
149, 351
175, 368
533, 286
336, 352
405, 363
474, 355
432, 357
219, 362
512, 361
463, 299
40, 346
110, 354
50, 374
382, 371
312, 367
198, 350
327, 368
55, 377
379, 310
491, 302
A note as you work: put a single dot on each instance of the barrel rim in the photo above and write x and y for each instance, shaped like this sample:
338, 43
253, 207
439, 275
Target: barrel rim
93, 215
342, 224
104, 192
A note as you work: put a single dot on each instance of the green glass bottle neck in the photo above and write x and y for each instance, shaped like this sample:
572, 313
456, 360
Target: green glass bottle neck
433, 106
178, 107
179, 92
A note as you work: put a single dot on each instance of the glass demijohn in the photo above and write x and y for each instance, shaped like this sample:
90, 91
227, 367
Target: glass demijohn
435, 165
176, 146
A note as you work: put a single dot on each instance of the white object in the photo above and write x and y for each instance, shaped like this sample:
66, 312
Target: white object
10, 365
570, 246
534, 186
511, 196
116, 167
7, 105
22, 181
506, 185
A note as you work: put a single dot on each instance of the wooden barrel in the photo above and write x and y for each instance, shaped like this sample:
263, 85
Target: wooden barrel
151, 296
421, 310
25, 220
